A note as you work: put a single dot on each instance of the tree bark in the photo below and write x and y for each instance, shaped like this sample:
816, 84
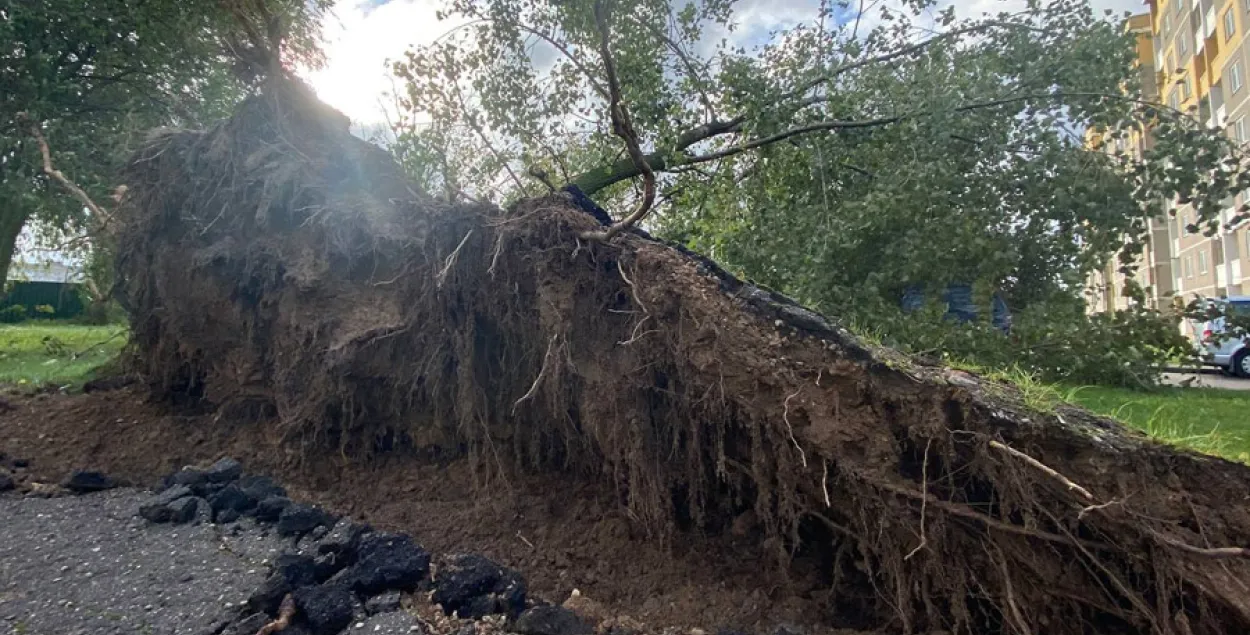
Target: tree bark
12, 220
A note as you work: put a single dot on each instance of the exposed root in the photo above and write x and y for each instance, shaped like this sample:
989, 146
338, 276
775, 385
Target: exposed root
785, 416
451, 260
1043, 467
924, 502
286, 611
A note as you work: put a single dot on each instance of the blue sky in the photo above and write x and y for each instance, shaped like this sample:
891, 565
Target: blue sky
365, 33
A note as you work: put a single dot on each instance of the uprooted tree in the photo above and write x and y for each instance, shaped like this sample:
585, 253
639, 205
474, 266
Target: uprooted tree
868, 149
280, 269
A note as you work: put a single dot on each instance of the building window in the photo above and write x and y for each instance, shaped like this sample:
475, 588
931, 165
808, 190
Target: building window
1171, 63
1174, 101
1234, 76
1240, 130
1202, 262
1180, 6
1230, 26
1185, 90
1189, 266
1182, 45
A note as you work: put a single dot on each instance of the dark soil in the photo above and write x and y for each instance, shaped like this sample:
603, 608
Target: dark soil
561, 534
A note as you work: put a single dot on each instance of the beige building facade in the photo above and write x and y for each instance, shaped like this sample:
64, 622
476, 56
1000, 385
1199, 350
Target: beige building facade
1193, 56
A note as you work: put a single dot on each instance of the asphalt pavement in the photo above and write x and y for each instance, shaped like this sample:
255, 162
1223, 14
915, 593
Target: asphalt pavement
1206, 379
86, 565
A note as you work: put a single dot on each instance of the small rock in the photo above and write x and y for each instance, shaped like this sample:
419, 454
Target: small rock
384, 603
268, 596
326, 609
269, 509
388, 561
183, 510
342, 538
203, 513
232, 497
6, 482
552, 620
790, 629
325, 565
297, 519
170, 495
226, 516
156, 513
83, 481
190, 477
158, 509
260, 487
465, 578
298, 570
224, 471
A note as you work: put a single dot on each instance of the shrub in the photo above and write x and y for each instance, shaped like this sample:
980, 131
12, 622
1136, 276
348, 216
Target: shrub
13, 314
1056, 342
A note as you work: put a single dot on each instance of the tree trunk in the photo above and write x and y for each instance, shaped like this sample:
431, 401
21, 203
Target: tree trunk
277, 266
12, 219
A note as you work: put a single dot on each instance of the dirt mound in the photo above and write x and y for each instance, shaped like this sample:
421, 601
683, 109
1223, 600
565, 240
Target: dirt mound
276, 267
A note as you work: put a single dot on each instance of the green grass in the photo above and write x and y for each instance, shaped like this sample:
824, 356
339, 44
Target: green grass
1208, 420
39, 353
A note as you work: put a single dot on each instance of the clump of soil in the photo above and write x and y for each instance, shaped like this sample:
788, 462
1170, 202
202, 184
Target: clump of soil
277, 269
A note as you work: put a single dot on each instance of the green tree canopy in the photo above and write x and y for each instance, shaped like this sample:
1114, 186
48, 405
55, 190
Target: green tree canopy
840, 160
90, 74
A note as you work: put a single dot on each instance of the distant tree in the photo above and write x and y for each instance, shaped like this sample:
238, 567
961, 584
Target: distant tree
90, 75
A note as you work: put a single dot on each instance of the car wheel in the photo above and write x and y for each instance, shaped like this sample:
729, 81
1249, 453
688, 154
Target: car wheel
1241, 363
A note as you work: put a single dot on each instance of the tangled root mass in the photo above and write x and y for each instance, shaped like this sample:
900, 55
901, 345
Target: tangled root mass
275, 267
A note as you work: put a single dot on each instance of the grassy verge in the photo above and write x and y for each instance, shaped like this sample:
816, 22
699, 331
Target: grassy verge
1208, 420
60, 354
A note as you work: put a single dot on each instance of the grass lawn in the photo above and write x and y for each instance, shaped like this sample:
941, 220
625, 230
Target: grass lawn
37, 353
1208, 420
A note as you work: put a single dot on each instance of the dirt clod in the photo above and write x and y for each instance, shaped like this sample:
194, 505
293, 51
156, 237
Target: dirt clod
84, 481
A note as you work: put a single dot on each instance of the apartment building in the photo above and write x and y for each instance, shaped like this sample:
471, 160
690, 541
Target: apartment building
1200, 59
1153, 270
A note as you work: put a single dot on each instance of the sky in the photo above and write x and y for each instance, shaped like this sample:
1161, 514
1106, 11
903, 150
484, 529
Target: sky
363, 34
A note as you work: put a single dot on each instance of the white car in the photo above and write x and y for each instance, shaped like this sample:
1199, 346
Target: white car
1229, 353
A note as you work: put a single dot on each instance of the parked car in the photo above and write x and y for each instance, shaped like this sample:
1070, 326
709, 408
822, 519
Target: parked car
1232, 354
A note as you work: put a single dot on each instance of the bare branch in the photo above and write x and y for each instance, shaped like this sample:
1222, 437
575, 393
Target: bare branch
623, 126
667, 161
60, 177
904, 52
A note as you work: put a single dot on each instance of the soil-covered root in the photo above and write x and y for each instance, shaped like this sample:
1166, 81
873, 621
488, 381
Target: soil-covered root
276, 267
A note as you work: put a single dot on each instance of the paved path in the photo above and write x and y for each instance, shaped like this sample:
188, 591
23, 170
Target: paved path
85, 565
1207, 380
